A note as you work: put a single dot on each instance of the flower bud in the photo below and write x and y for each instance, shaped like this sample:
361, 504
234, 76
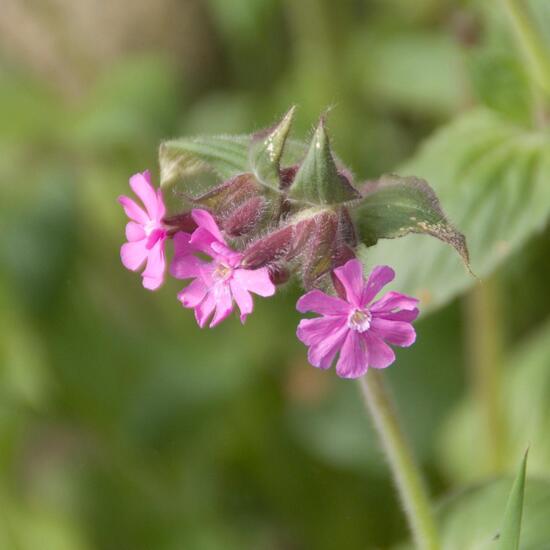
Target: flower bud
317, 259
278, 274
239, 205
244, 218
268, 249
180, 222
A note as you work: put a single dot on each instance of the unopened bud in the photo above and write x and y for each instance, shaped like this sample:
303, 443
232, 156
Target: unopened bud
268, 249
180, 222
319, 251
278, 274
244, 218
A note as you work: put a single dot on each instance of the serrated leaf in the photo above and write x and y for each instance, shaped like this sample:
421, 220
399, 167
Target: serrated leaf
511, 524
266, 151
190, 167
317, 180
491, 177
395, 206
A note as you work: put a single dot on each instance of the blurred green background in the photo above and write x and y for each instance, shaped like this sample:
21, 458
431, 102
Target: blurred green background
123, 426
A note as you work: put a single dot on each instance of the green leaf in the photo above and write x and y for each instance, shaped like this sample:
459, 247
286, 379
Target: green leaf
226, 156
511, 525
317, 180
491, 177
266, 150
190, 167
469, 519
394, 207
387, 60
496, 69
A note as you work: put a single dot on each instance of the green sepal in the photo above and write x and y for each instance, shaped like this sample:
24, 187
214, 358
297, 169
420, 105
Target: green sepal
318, 181
266, 150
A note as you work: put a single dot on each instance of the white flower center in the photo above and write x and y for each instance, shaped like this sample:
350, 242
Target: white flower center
222, 273
359, 320
150, 227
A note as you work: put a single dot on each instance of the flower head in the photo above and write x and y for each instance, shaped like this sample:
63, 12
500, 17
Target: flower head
219, 282
355, 326
145, 231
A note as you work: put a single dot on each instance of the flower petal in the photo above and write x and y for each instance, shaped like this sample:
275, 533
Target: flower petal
255, 280
243, 299
351, 277
202, 240
380, 354
153, 275
354, 356
133, 211
224, 304
134, 231
205, 309
184, 264
182, 244
161, 208
380, 276
141, 186
322, 353
322, 303
222, 251
205, 220
133, 254
186, 267
313, 331
404, 315
398, 333
393, 301
193, 294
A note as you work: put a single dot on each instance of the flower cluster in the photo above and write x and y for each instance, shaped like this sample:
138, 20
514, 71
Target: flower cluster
351, 325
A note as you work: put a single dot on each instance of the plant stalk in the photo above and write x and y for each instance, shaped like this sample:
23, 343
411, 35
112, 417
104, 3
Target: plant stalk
484, 348
406, 474
535, 49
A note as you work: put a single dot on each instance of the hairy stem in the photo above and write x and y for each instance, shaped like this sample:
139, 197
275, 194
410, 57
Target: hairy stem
406, 474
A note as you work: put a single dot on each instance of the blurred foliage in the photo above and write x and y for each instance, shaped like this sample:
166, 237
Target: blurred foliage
123, 426
525, 392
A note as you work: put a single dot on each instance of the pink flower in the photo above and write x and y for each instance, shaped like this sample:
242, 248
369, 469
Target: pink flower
219, 282
145, 232
353, 325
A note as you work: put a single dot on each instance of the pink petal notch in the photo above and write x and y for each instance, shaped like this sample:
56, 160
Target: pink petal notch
217, 284
145, 231
355, 327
